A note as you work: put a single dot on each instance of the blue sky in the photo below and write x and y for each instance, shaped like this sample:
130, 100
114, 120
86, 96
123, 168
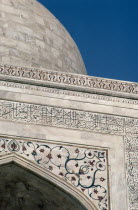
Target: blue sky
106, 32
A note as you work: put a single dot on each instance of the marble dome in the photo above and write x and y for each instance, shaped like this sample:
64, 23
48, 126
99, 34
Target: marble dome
30, 36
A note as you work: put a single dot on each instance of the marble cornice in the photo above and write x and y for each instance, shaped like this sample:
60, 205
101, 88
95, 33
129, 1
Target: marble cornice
76, 82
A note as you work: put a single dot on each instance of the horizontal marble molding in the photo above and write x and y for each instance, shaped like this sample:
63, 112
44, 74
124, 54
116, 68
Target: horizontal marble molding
69, 81
68, 92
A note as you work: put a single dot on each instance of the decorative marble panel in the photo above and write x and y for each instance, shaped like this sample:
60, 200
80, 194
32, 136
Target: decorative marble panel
84, 168
82, 120
132, 171
67, 118
60, 117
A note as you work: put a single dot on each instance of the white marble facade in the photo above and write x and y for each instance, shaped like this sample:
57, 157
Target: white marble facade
77, 131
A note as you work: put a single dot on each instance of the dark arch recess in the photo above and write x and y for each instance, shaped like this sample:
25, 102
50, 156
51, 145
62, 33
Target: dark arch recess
22, 189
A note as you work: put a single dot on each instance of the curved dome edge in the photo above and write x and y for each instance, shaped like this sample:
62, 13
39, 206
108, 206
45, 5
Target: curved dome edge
31, 36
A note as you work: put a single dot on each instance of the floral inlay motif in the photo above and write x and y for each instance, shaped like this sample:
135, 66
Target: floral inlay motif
84, 168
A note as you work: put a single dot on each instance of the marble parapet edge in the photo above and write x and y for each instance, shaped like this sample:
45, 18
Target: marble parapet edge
67, 81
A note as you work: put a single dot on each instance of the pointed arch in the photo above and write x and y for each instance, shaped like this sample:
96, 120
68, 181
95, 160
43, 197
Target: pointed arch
47, 175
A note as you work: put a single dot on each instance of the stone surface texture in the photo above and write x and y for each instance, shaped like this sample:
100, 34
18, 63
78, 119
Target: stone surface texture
31, 36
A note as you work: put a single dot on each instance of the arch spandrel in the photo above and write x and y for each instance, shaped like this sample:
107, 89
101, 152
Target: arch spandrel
83, 184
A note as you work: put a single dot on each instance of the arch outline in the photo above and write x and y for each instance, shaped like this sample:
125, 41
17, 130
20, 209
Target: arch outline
47, 175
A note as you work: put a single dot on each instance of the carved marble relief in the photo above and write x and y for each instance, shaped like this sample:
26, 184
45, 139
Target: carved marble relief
132, 171
69, 79
61, 117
